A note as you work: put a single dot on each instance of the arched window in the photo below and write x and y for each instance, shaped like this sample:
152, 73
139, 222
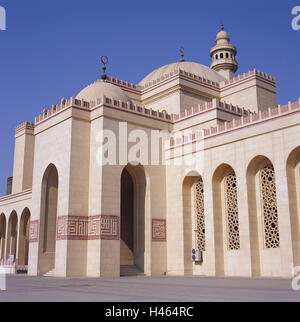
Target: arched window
221, 55
199, 212
227, 55
217, 57
193, 218
269, 207
233, 234
263, 218
225, 217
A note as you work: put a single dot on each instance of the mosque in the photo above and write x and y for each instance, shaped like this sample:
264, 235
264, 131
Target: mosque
99, 188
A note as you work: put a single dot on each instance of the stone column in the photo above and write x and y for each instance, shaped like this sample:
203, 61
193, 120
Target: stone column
243, 213
284, 219
209, 258
110, 212
175, 246
156, 238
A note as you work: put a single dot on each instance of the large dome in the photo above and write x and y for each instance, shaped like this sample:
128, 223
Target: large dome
99, 89
190, 67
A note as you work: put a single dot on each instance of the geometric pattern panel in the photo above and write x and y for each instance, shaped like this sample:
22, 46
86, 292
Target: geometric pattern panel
88, 228
269, 203
199, 210
34, 231
109, 227
159, 230
72, 228
233, 231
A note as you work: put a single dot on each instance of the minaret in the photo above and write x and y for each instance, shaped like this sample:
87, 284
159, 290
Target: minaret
223, 55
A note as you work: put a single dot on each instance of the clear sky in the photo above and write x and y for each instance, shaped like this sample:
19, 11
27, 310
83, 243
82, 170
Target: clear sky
51, 49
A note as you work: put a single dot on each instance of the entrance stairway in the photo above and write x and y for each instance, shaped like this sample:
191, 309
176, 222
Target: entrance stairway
50, 273
126, 270
130, 270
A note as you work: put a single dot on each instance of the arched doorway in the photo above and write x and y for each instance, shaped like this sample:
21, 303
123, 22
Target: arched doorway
293, 178
193, 218
226, 218
2, 235
24, 237
49, 198
132, 243
12, 235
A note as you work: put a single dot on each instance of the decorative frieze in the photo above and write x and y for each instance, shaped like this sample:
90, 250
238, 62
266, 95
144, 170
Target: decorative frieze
72, 228
88, 228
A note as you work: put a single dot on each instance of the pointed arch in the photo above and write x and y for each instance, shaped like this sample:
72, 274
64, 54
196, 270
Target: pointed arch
193, 217
226, 218
263, 213
24, 237
133, 213
2, 235
293, 179
12, 234
48, 218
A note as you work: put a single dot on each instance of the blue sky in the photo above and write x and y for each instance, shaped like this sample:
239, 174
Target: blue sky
51, 49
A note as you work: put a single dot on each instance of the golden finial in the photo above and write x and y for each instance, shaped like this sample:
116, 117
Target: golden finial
104, 61
181, 54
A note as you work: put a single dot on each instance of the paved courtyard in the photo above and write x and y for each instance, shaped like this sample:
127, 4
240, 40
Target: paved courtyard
147, 289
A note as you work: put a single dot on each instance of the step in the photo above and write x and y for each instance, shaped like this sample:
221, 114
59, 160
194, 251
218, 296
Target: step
50, 273
130, 270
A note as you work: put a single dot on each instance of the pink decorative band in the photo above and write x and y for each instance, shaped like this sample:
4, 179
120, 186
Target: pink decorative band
88, 228
159, 230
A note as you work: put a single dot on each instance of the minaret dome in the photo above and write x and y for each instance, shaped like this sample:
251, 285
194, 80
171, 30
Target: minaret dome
223, 55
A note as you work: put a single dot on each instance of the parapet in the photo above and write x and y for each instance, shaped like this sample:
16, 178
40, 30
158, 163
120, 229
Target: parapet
106, 101
148, 112
24, 126
192, 77
122, 83
181, 73
248, 75
239, 123
215, 104
55, 109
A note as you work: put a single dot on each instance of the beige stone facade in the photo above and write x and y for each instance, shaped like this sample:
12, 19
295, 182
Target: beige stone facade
101, 181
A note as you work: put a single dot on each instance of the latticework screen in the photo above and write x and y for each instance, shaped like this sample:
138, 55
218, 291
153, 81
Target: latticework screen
199, 211
233, 233
269, 204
